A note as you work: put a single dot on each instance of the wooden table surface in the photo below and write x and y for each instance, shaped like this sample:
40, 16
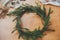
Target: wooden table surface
6, 24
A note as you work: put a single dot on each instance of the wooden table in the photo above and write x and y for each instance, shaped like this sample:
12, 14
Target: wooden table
55, 20
6, 25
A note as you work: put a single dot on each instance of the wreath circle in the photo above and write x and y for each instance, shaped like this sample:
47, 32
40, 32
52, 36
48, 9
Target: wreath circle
25, 33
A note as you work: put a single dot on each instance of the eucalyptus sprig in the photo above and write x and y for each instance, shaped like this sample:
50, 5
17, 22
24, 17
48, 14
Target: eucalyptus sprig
25, 33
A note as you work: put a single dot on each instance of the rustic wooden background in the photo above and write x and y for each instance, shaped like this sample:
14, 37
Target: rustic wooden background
6, 24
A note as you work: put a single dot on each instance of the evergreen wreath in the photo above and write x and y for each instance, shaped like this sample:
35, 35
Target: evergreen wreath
25, 33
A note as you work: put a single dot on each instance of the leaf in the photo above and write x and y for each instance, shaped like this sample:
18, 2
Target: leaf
14, 30
19, 36
14, 19
44, 9
45, 25
50, 30
49, 12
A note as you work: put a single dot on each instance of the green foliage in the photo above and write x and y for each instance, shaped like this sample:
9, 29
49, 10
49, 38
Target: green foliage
25, 33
